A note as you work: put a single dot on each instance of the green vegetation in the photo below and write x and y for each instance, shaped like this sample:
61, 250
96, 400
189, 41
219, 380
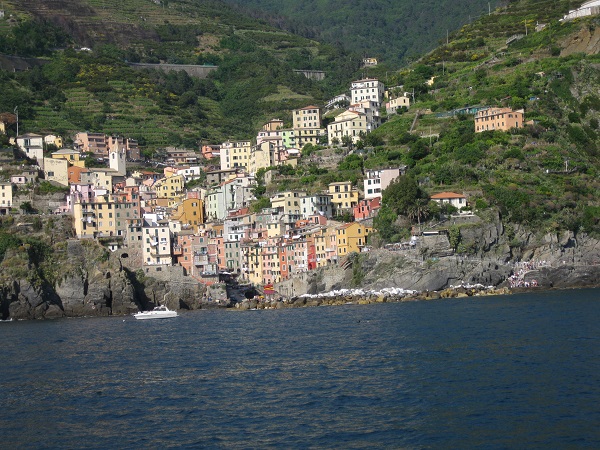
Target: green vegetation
391, 31
544, 176
98, 91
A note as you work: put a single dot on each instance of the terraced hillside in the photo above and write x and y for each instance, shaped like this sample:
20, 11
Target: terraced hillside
95, 90
177, 30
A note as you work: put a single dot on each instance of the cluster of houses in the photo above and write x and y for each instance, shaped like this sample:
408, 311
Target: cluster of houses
158, 223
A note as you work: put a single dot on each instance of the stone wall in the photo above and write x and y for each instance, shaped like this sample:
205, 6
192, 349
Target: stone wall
197, 71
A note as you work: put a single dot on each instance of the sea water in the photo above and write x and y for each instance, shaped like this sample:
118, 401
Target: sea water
517, 371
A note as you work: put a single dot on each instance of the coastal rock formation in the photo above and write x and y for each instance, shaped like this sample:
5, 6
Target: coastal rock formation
92, 282
566, 259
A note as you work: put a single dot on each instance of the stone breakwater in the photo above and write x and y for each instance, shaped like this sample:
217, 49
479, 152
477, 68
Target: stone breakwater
366, 297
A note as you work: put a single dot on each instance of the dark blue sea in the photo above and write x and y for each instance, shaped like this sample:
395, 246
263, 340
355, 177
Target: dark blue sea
519, 371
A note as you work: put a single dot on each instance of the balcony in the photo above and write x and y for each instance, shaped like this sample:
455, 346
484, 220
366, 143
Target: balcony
157, 252
201, 260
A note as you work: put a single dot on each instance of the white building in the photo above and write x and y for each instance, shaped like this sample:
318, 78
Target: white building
589, 8
457, 200
32, 145
118, 161
190, 173
215, 203
367, 89
156, 243
339, 101
316, 204
6, 198
376, 181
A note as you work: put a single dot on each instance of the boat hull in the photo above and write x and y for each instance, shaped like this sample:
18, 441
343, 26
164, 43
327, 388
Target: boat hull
152, 315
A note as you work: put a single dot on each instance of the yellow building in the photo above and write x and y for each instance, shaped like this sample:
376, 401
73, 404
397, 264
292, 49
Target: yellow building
72, 156
191, 212
320, 238
235, 154
261, 157
287, 202
348, 123
171, 187
99, 177
107, 215
56, 170
351, 237
307, 125
252, 263
275, 229
502, 119
344, 197
51, 139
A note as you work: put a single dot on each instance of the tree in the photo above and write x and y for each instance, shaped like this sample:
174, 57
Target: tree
385, 223
347, 141
8, 118
405, 197
27, 208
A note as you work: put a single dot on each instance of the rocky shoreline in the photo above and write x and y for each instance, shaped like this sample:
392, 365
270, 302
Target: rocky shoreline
89, 281
364, 297
361, 297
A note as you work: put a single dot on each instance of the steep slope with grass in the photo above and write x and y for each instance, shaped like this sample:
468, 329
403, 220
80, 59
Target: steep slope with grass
96, 90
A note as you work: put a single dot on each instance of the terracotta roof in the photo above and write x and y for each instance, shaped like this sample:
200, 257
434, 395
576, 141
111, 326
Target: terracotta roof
447, 195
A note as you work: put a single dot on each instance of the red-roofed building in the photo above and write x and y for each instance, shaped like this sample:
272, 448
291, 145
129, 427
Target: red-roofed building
457, 200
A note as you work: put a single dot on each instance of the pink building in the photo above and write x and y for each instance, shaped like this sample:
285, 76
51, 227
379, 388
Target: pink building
367, 208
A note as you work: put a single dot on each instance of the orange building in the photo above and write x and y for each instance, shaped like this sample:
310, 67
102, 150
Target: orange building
502, 119
74, 174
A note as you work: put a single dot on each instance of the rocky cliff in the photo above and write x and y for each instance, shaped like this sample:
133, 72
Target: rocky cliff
90, 281
486, 253
73, 278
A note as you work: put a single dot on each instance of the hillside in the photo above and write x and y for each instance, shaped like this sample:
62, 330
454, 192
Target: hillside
544, 176
97, 91
394, 32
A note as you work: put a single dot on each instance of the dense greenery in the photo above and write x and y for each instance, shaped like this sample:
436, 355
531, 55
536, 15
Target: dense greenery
97, 91
544, 176
391, 31
35, 38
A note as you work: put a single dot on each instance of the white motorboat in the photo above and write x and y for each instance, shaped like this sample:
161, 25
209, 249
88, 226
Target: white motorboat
160, 312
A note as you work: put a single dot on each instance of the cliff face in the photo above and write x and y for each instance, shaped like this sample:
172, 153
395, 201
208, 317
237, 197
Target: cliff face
81, 278
491, 255
92, 282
